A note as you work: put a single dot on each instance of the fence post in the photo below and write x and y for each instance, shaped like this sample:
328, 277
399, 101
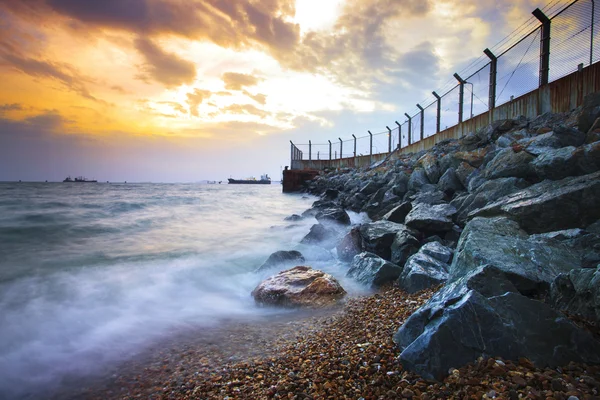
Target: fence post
291, 152
341, 147
354, 146
438, 117
409, 128
592, 26
422, 121
329, 150
493, 77
399, 134
389, 139
309, 151
544, 46
461, 96
370, 147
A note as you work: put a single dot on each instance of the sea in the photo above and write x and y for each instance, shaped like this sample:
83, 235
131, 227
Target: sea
93, 273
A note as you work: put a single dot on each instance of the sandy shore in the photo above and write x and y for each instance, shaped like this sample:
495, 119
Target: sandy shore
336, 354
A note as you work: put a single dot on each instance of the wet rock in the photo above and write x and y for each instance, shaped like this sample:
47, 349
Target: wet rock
333, 215
449, 183
422, 271
293, 218
350, 245
417, 179
431, 218
283, 259
534, 263
331, 194
299, 287
578, 293
369, 188
551, 205
510, 326
314, 252
320, 235
372, 270
437, 251
405, 244
508, 163
399, 213
557, 164
377, 237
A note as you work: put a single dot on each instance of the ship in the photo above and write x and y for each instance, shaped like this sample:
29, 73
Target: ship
79, 179
264, 180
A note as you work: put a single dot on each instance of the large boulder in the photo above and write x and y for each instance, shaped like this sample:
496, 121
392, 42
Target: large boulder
431, 218
449, 183
533, 263
372, 270
464, 172
299, 287
551, 205
432, 169
405, 244
509, 163
557, 164
590, 112
320, 235
350, 245
398, 213
283, 259
377, 237
589, 161
425, 269
333, 215
578, 293
417, 180
459, 325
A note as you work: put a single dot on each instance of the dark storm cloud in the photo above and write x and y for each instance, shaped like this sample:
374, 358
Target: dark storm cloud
230, 23
164, 67
235, 81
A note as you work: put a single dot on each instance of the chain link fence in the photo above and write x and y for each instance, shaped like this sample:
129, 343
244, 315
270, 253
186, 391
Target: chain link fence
521, 64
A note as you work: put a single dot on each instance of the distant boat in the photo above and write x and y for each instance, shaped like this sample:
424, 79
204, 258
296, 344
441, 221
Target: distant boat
79, 179
264, 180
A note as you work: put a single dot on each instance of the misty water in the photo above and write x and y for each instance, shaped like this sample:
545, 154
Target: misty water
91, 274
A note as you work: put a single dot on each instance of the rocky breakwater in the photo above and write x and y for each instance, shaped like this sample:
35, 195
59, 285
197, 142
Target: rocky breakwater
505, 218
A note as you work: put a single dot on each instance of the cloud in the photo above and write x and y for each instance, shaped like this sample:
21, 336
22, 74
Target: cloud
10, 107
175, 106
47, 123
228, 23
259, 97
166, 68
196, 98
245, 109
235, 81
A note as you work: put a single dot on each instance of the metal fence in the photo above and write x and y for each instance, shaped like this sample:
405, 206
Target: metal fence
556, 41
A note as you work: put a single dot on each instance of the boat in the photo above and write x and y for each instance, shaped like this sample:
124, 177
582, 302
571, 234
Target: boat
264, 180
79, 179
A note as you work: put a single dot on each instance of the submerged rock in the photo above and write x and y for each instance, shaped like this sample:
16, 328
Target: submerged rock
350, 245
283, 259
372, 270
299, 287
320, 235
333, 215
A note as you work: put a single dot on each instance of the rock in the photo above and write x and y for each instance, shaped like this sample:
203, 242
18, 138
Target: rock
372, 270
437, 251
556, 164
422, 271
333, 215
474, 158
455, 328
578, 293
283, 259
350, 245
320, 235
293, 217
569, 136
314, 253
405, 245
375, 203
551, 205
429, 163
476, 179
377, 237
590, 112
463, 172
589, 161
299, 287
507, 163
431, 198
427, 218
398, 214
586, 243
593, 135
318, 205
370, 188
417, 179
331, 194
533, 264
449, 183
487, 193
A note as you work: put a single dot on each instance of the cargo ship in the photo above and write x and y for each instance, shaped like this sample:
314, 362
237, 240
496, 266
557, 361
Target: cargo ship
79, 179
264, 180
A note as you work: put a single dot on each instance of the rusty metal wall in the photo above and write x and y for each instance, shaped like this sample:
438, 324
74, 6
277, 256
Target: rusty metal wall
350, 162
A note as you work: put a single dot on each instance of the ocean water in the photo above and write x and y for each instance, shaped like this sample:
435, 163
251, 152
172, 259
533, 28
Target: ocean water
90, 274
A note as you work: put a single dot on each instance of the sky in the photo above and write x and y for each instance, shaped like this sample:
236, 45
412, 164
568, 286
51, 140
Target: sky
192, 90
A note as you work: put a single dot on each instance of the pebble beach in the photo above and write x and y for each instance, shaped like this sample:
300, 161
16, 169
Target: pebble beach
343, 353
